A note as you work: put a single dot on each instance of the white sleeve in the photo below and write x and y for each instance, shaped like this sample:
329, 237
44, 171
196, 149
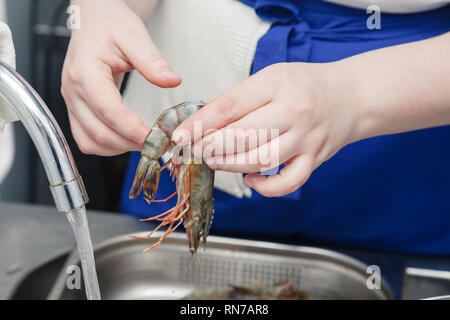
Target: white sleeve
7, 151
7, 54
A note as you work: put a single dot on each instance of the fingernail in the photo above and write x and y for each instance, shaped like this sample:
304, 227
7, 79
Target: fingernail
208, 139
210, 162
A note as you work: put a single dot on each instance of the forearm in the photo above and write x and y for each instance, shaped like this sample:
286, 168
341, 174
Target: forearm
396, 89
143, 8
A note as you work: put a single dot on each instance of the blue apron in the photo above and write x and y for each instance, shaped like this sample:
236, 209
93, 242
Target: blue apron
389, 193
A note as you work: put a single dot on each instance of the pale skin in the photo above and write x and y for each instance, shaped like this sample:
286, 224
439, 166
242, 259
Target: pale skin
112, 40
318, 108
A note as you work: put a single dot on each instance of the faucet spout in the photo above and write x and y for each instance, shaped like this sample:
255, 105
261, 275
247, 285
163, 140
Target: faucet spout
66, 184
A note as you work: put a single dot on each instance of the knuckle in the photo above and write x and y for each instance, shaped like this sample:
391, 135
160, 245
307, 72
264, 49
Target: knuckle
84, 146
156, 59
263, 189
281, 73
62, 90
100, 138
136, 135
226, 108
302, 108
265, 193
300, 181
291, 186
107, 115
72, 73
298, 110
86, 149
310, 99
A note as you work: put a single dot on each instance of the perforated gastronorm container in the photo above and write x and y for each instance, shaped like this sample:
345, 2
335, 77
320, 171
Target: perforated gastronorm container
127, 273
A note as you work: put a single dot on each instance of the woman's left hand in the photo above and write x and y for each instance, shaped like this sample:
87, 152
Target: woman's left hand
300, 107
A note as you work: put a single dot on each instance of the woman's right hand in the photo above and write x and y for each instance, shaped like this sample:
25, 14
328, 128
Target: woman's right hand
112, 40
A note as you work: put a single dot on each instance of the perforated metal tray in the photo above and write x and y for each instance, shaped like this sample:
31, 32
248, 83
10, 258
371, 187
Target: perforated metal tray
127, 273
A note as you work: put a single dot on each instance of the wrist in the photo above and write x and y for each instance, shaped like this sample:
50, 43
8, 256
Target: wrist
143, 8
341, 91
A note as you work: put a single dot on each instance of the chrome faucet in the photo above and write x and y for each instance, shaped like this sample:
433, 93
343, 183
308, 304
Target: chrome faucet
66, 184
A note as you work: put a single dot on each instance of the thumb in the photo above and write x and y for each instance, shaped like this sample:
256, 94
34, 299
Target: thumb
145, 57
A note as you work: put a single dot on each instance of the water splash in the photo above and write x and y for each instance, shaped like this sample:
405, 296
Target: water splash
78, 220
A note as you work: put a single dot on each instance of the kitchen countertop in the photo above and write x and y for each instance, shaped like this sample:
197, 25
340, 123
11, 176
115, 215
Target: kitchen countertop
31, 235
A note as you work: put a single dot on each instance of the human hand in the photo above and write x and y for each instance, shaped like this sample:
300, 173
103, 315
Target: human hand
319, 108
112, 40
298, 100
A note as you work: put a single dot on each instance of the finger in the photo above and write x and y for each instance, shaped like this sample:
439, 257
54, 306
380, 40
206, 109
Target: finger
145, 57
262, 158
86, 144
118, 79
103, 98
290, 178
97, 130
231, 106
251, 131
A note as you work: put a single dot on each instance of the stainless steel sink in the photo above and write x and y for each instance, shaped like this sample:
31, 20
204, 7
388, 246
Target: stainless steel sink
127, 273
37, 284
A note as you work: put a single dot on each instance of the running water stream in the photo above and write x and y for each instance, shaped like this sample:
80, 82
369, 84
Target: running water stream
78, 220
